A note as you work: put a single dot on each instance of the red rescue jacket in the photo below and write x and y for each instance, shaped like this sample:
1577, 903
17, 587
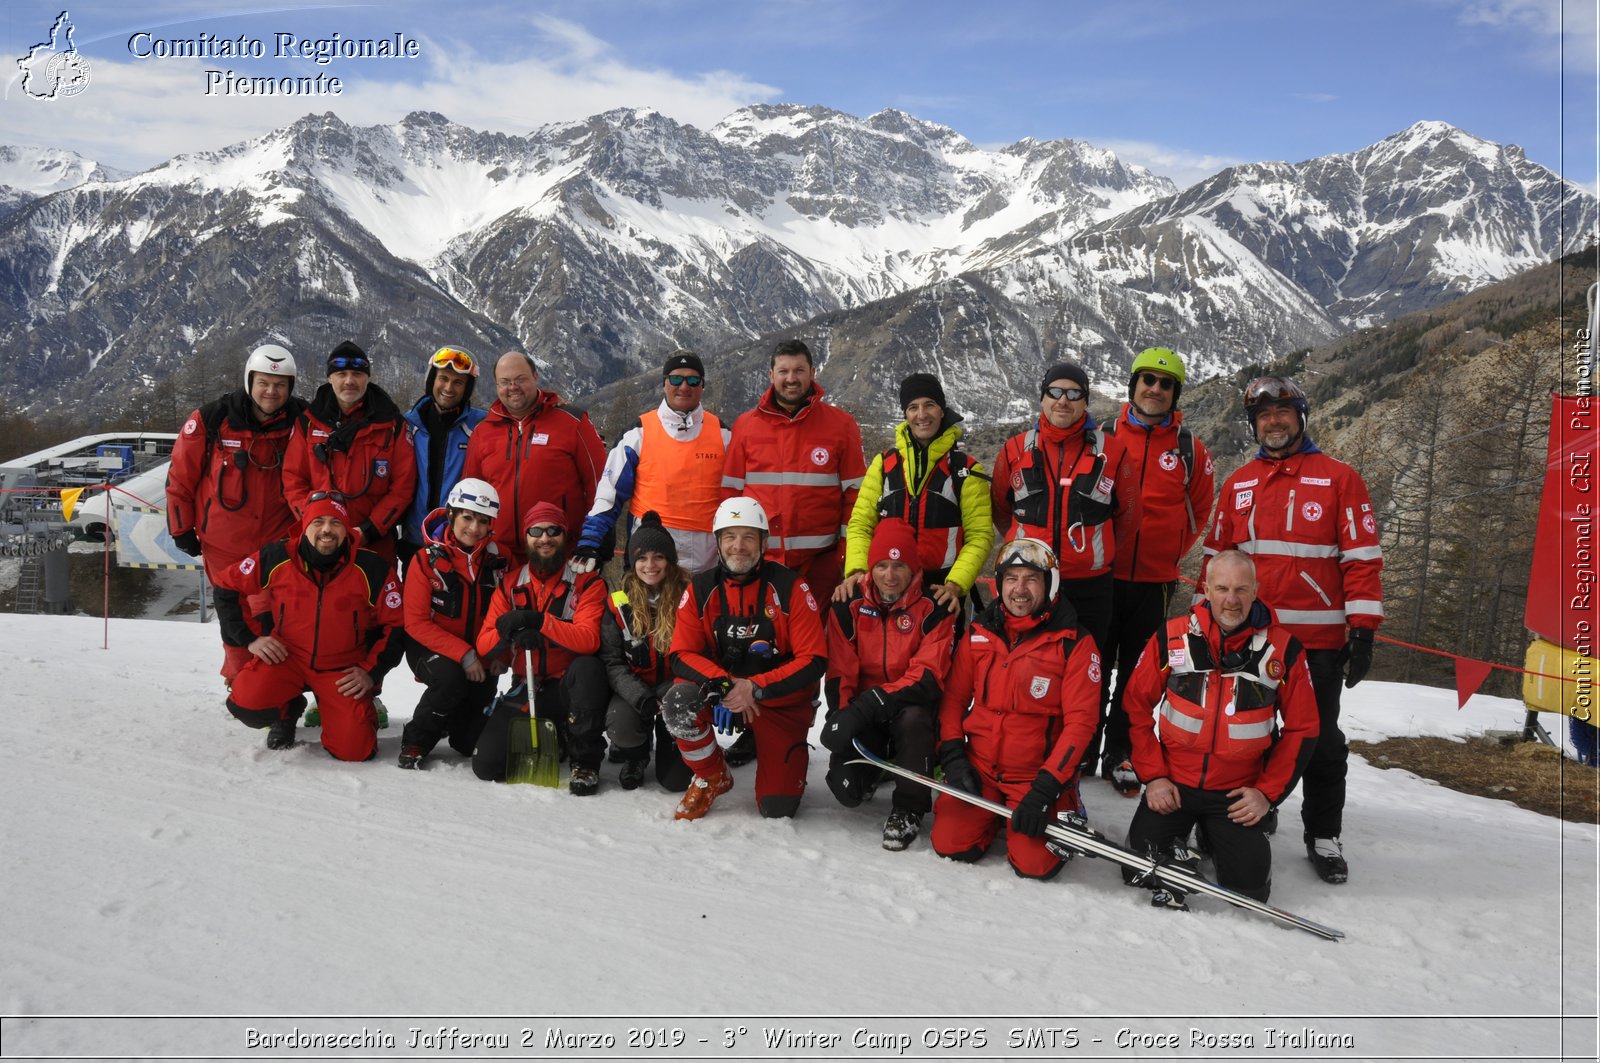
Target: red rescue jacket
1308, 523
764, 627
448, 588
349, 615
805, 471
1219, 700
225, 482
551, 454
365, 455
572, 607
1173, 513
1026, 704
902, 650
1070, 487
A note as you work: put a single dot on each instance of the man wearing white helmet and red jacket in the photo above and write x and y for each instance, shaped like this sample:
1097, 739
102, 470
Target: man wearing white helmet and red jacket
547, 613
225, 483
888, 656
748, 650
333, 620
447, 590
1019, 709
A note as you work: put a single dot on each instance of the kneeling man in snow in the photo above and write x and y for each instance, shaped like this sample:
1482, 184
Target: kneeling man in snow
331, 616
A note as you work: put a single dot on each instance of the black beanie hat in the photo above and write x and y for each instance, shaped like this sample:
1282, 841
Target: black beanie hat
1064, 371
683, 360
348, 356
921, 386
649, 535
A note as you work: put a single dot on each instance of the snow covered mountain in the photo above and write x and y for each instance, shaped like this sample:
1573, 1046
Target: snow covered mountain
28, 173
600, 243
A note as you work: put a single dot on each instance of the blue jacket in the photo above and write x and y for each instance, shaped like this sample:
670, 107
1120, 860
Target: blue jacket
455, 460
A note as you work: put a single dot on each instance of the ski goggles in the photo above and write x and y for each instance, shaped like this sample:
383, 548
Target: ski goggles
678, 380
1272, 389
1070, 394
454, 358
357, 363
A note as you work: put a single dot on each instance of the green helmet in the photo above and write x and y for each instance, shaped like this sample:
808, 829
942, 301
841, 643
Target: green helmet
1159, 360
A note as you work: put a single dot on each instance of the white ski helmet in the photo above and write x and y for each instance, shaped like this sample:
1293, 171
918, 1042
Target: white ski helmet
476, 495
740, 512
270, 358
1029, 553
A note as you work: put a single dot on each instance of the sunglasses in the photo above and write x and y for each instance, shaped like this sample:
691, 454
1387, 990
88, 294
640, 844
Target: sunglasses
1070, 394
677, 380
450, 358
545, 533
360, 365
1152, 380
323, 496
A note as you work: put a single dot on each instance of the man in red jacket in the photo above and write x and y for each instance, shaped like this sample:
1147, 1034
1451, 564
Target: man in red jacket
1071, 485
1175, 480
225, 483
801, 459
532, 448
748, 650
332, 619
888, 656
1307, 521
353, 440
548, 615
1018, 711
1238, 725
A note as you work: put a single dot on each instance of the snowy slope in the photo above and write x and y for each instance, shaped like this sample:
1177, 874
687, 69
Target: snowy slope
159, 860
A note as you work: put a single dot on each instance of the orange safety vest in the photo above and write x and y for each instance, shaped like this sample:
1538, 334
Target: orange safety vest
680, 479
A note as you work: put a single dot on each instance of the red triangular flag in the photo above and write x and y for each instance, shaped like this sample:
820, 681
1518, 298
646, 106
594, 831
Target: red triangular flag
1470, 675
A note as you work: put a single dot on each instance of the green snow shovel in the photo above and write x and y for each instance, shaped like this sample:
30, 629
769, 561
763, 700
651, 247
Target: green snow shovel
533, 753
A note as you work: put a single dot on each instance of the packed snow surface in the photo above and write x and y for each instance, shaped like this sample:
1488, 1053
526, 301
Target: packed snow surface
160, 861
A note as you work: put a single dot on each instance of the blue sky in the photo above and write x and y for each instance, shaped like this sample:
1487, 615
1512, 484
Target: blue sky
1184, 88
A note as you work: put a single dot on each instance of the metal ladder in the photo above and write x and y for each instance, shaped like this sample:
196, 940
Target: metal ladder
30, 585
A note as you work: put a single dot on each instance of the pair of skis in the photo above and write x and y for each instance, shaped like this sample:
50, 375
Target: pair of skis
1093, 843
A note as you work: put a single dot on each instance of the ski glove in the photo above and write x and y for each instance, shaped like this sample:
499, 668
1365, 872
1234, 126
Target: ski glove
726, 720
958, 769
1032, 813
1356, 657
188, 542
584, 559
840, 729
521, 626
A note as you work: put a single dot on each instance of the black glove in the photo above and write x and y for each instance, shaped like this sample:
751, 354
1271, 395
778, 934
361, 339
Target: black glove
188, 542
520, 625
958, 770
584, 559
712, 690
1356, 657
649, 708
1032, 813
840, 729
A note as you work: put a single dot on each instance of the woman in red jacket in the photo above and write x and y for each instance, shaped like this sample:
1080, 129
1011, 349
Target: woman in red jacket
447, 592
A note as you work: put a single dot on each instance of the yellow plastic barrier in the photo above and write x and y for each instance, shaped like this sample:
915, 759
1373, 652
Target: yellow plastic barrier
1576, 693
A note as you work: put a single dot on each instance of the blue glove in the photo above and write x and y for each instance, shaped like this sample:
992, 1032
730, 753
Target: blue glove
726, 720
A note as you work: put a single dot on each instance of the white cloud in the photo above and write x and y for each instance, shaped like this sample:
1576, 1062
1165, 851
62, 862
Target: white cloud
137, 113
1183, 166
1565, 29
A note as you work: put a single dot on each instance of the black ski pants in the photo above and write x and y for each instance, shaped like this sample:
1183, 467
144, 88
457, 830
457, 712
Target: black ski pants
452, 705
1243, 855
908, 739
1137, 612
1322, 785
576, 702
1092, 600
